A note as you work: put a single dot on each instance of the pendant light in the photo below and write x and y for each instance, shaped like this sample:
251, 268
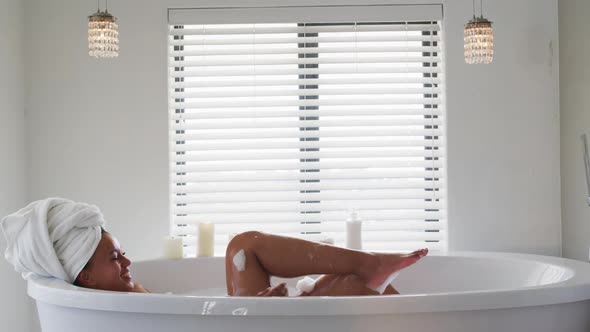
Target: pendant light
478, 37
103, 34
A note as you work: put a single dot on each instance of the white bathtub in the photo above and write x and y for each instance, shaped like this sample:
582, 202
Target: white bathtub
458, 292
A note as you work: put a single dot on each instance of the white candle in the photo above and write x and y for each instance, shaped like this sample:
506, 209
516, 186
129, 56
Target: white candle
172, 247
206, 237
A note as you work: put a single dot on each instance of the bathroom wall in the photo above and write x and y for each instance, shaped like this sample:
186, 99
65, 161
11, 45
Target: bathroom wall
16, 310
574, 28
503, 131
101, 125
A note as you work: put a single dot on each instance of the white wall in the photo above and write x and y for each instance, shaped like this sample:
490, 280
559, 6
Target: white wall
575, 120
503, 131
16, 310
101, 125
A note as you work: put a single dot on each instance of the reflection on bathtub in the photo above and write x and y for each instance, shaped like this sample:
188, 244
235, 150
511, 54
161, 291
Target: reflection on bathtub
207, 307
240, 312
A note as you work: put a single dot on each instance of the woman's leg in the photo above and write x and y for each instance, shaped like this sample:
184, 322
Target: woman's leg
344, 285
253, 257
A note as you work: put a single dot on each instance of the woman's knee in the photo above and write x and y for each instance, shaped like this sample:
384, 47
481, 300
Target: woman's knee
242, 241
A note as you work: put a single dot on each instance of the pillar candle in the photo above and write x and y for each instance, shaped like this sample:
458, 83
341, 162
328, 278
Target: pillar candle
172, 247
206, 239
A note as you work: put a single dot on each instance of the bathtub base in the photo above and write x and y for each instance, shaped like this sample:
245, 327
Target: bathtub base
565, 317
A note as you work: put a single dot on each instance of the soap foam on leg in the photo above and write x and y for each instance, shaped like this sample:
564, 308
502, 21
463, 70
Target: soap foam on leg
239, 260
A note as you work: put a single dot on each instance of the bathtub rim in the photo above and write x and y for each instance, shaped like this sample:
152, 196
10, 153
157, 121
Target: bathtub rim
574, 289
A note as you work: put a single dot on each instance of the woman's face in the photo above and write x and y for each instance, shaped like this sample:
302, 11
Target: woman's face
108, 269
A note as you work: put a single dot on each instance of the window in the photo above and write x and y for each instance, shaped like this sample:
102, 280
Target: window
284, 120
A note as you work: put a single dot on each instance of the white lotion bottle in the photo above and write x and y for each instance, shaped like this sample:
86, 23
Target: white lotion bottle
354, 227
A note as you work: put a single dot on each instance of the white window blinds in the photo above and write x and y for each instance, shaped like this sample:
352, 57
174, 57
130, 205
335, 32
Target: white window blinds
283, 125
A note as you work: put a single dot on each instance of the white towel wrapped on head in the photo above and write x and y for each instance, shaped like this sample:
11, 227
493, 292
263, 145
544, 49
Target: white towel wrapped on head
54, 237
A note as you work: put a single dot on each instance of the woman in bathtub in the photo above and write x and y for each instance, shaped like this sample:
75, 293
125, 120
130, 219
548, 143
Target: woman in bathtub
63, 239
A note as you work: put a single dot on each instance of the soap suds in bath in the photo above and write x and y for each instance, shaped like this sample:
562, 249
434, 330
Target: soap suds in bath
306, 284
240, 260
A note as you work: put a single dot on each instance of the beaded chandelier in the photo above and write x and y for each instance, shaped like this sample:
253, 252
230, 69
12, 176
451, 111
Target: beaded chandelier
103, 35
478, 40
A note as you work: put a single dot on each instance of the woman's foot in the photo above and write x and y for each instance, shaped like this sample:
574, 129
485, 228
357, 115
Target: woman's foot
388, 264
